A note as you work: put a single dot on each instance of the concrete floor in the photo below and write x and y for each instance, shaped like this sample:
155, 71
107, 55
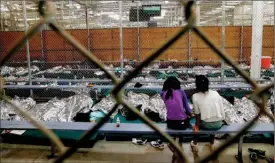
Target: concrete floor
122, 152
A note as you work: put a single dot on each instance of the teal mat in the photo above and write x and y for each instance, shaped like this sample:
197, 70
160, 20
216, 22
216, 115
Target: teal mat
268, 73
237, 94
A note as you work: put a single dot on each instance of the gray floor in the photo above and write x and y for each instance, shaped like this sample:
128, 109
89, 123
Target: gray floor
113, 152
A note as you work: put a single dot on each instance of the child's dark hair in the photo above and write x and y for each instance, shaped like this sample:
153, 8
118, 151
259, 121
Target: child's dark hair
202, 83
169, 85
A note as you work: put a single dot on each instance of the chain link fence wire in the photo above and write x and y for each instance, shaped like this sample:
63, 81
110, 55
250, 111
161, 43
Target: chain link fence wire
90, 52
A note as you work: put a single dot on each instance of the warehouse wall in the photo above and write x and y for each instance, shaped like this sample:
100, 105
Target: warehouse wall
104, 43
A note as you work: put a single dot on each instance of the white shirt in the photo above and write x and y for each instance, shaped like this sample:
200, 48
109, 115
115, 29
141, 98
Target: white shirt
209, 105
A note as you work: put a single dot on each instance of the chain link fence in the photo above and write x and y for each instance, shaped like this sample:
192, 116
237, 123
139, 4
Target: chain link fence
97, 42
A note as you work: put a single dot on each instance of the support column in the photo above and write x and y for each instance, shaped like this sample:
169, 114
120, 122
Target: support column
182, 15
121, 39
223, 40
2, 24
189, 49
42, 44
274, 55
62, 13
198, 13
257, 39
27, 47
87, 26
241, 35
138, 35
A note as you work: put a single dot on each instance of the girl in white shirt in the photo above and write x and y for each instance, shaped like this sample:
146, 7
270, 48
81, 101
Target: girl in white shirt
208, 108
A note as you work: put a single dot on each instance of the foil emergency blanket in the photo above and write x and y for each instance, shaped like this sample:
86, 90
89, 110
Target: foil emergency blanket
231, 115
154, 103
136, 99
63, 110
129, 68
6, 109
157, 105
57, 69
271, 100
54, 110
6, 70
99, 73
243, 110
105, 105
203, 70
249, 110
144, 81
17, 71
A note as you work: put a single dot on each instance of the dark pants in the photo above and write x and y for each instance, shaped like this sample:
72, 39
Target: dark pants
178, 124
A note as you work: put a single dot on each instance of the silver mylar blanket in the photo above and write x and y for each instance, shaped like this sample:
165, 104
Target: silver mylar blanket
54, 110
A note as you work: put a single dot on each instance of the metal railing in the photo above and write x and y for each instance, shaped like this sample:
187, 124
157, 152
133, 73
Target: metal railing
47, 10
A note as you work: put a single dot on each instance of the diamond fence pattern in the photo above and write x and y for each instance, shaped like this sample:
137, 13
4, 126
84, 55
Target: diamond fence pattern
47, 11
